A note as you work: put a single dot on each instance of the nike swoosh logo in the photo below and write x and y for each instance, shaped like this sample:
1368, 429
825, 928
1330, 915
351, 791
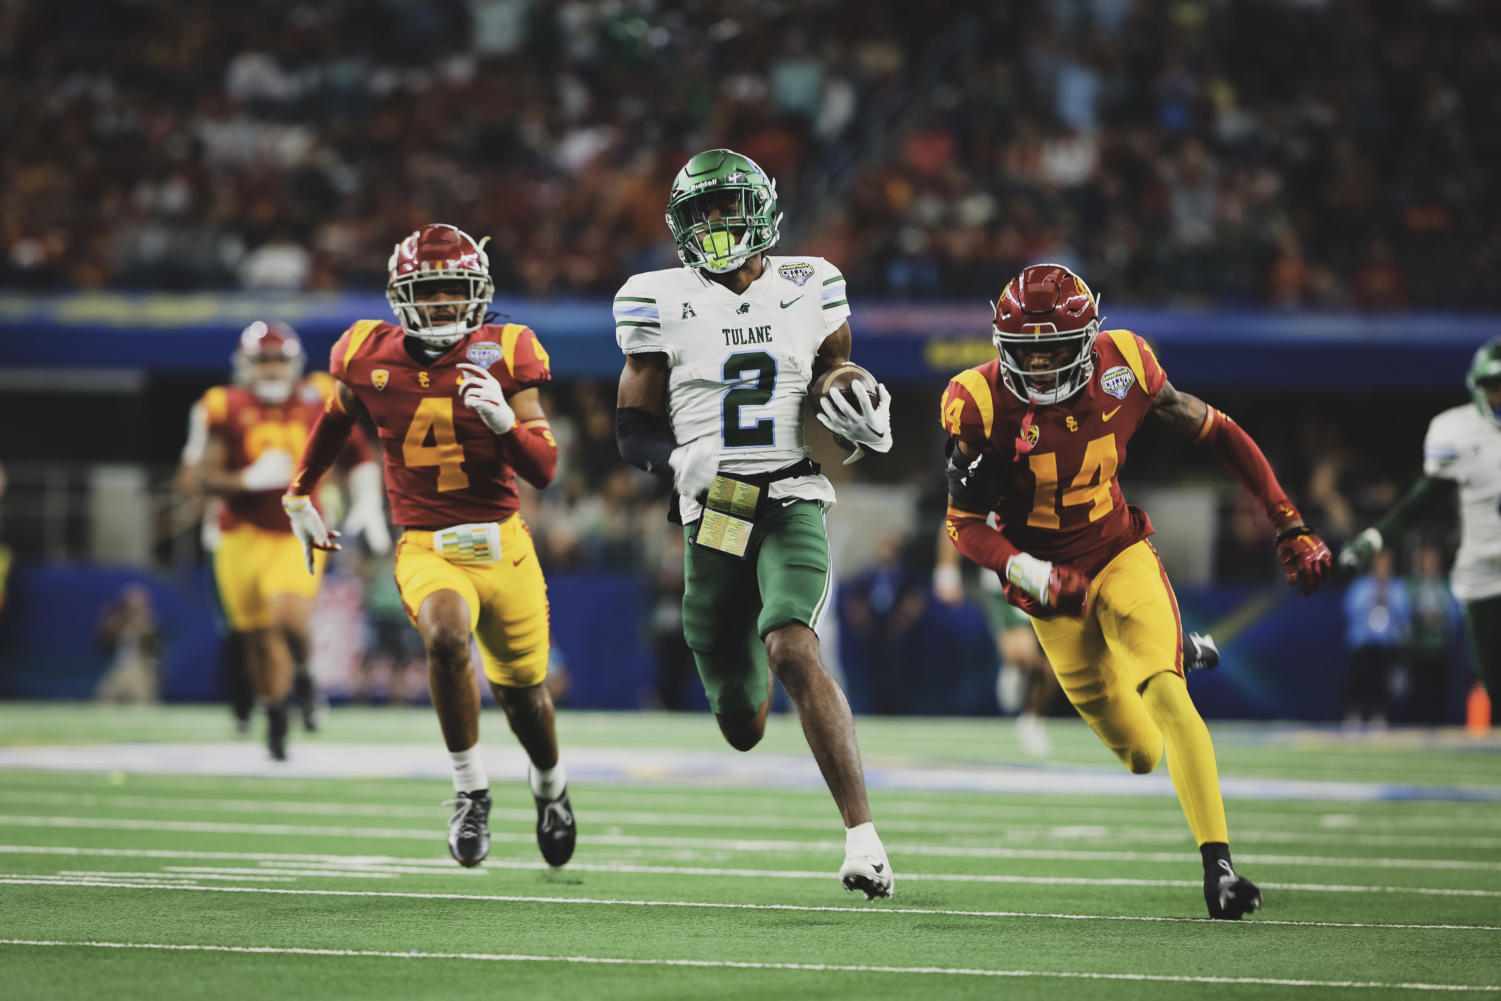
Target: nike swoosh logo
879, 867
518, 562
791, 301
1106, 417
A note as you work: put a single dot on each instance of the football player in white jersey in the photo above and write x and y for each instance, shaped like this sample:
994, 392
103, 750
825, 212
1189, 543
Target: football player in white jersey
1463, 447
719, 357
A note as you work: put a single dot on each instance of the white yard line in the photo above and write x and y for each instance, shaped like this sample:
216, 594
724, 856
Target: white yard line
630, 763
446, 866
731, 964
140, 880
1170, 832
743, 844
773, 811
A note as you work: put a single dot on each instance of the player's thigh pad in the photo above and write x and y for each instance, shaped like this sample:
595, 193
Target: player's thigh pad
721, 603
513, 627
422, 573
1138, 615
792, 567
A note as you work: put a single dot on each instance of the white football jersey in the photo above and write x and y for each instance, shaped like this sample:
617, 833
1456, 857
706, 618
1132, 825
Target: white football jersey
1463, 445
740, 364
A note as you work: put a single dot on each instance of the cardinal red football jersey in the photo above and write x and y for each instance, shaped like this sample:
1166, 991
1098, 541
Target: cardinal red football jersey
443, 465
250, 427
1062, 501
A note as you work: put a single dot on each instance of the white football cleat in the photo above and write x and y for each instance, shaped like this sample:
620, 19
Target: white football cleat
870, 874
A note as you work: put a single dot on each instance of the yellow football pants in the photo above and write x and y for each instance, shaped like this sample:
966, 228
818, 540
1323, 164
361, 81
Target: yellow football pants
1122, 668
253, 566
507, 599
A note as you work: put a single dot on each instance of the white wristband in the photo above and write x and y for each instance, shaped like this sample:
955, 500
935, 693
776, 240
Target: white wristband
1030, 574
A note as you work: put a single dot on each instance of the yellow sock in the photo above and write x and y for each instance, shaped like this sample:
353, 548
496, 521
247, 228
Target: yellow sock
1190, 757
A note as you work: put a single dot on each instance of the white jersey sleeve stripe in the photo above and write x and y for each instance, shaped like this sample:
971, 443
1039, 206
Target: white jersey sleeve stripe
636, 311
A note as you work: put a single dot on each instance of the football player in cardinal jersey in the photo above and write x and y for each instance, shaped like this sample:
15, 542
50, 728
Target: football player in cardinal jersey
251, 434
455, 400
719, 357
1462, 453
1036, 439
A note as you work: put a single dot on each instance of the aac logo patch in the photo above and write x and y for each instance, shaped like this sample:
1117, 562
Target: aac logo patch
1117, 381
798, 273
379, 377
483, 353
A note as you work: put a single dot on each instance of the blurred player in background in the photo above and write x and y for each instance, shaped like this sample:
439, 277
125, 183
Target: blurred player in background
465, 564
719, 357
252, 434
206, 509
1037, 437
1463, 452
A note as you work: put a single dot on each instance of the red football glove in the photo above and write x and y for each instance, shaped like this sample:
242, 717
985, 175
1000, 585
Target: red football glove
1305, 558
1068, 594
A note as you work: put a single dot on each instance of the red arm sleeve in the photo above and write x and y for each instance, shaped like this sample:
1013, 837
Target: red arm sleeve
977, 540
1248, 465
323, 447
530, 450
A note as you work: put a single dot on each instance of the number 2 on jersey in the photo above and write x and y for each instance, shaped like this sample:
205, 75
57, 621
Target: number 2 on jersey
1091, 485
435, 415
736, 367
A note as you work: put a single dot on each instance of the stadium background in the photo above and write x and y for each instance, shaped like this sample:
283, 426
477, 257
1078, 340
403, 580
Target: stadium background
1296, 202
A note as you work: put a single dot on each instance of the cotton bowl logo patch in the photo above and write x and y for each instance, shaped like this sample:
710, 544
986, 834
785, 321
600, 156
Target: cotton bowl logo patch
1117, 381
798, 274
484, 353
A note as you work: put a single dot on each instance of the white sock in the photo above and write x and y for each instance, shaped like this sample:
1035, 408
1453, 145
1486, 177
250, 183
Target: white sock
863, 840
468, 770
548, 783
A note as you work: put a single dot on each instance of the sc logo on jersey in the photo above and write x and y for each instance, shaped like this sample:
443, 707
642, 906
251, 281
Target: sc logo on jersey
1117, 381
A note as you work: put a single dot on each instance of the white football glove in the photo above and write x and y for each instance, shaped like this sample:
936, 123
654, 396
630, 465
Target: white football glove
481, 392
272, 470
695, 465
367, 514
861, 423
307, 525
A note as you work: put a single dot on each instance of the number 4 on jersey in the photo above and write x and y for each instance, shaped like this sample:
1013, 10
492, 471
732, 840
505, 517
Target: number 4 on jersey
435, 416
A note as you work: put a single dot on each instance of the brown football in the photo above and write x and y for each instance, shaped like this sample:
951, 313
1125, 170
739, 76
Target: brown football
842, 379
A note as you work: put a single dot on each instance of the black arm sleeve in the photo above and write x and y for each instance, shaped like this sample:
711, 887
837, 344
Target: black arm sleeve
975, 484
644, 438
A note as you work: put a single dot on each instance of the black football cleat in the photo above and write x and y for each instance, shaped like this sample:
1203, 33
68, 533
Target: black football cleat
1200, 652
469, 827
276, 731
1230, 897
556, 828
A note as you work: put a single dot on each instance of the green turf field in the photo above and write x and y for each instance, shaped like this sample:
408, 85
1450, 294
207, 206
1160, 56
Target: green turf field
147, 854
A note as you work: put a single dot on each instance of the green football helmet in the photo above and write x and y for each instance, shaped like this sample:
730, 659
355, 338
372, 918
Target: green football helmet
722, 210
1485, 366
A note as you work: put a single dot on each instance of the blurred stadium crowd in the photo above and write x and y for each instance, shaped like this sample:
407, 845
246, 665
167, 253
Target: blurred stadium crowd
1285, 153
1318, 152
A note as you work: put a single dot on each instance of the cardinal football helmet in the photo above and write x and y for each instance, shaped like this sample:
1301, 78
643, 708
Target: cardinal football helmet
1484, 367
747, 222
1046, 308
436, 255
268, 342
